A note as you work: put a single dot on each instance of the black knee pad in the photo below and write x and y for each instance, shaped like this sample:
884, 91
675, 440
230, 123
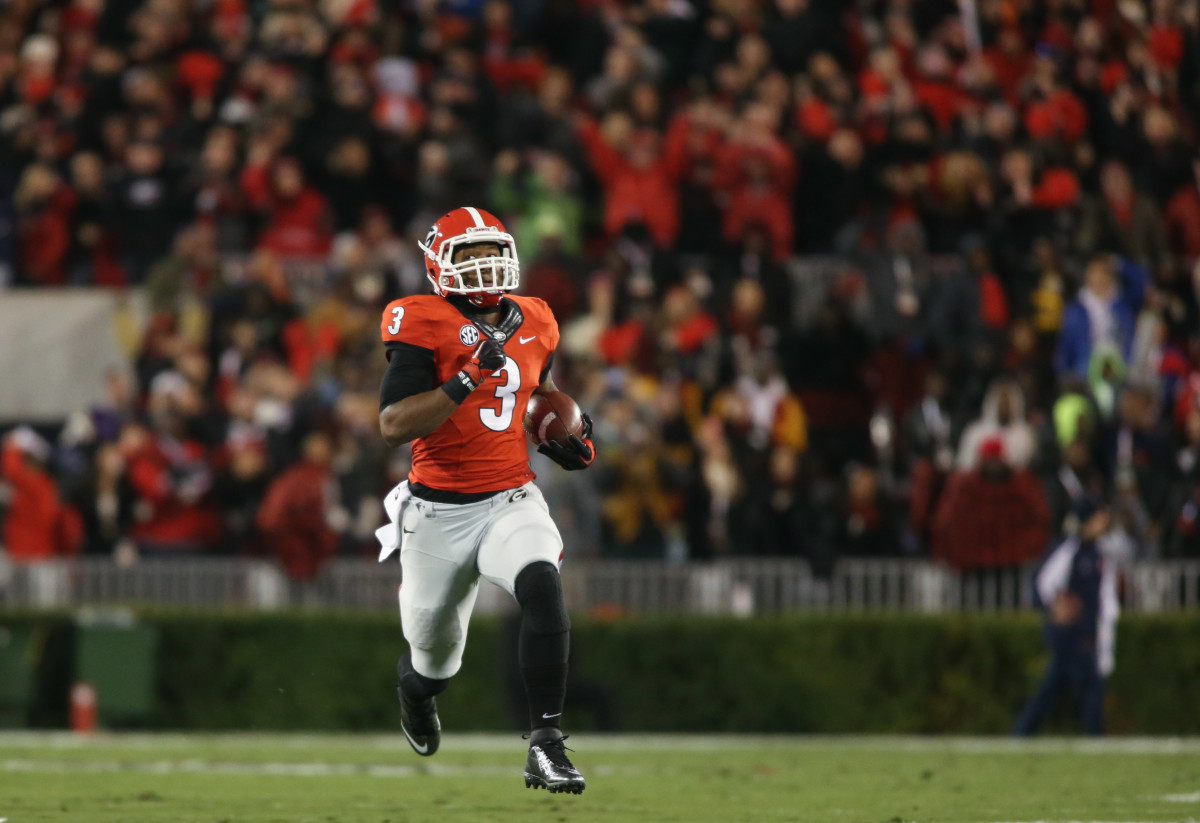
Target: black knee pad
539, 591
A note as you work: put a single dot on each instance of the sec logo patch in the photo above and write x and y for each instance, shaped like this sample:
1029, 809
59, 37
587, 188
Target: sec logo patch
469, 335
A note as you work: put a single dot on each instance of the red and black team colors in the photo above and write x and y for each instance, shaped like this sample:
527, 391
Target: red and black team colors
454, 456
462, 365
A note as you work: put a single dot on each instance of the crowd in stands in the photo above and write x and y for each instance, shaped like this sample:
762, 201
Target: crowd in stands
834, 277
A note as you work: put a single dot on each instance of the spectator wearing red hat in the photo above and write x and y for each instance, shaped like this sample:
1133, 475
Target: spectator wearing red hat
1003, 422
198, 72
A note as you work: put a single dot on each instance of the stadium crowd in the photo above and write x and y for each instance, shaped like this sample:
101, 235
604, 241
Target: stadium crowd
834, 278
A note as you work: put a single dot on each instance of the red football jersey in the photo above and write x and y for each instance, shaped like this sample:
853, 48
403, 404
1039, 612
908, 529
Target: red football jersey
481, 448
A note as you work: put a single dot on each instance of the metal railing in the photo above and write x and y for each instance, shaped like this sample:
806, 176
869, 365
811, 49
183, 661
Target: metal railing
737, 587
770, 586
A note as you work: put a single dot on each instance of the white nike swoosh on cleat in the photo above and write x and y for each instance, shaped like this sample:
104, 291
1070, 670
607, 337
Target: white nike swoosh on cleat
526, 339
420, 749
548, 716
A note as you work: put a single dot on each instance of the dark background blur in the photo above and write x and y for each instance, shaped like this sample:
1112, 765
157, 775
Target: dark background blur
834, 279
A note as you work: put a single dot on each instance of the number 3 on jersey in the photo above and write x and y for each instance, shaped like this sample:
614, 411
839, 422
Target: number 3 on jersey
397, 316
506, 393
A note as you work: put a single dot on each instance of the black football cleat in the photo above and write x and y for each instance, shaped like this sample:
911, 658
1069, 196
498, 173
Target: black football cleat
547, 766
419, 721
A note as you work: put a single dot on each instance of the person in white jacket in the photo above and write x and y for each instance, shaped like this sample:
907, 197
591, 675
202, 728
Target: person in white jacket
1003, 417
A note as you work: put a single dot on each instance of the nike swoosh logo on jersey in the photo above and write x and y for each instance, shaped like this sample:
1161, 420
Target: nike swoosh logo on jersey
548, 716
420, 749
408, 531
526, 339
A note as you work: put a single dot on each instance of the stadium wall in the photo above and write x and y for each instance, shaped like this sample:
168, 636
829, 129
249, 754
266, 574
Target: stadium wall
819, 673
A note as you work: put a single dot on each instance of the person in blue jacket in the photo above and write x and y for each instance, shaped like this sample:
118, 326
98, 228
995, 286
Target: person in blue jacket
1102, 315
1077, 588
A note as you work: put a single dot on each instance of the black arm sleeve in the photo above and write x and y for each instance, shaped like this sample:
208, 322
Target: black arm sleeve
546, 369
410, 371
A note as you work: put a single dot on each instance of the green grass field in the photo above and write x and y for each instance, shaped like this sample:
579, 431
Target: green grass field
255, 778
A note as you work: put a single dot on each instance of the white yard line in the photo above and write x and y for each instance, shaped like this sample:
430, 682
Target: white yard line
270, 769
1190, 797
621, 742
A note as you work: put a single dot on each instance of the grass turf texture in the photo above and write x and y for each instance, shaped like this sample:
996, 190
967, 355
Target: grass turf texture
256, 778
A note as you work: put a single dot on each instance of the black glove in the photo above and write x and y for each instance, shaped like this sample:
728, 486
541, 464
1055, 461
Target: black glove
487, 358
578, 453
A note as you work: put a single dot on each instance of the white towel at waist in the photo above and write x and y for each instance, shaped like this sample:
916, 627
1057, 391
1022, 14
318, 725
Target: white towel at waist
389, 533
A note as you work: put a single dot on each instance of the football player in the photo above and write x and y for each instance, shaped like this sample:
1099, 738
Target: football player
462, 365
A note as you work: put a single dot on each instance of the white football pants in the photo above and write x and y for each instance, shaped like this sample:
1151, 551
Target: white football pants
444, 549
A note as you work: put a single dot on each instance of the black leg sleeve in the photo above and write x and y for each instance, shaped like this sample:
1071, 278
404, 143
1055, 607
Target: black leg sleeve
544, 643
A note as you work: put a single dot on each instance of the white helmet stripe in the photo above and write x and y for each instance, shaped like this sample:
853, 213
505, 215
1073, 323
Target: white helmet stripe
479, 224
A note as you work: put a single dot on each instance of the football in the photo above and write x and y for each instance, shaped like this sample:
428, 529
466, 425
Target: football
553, 416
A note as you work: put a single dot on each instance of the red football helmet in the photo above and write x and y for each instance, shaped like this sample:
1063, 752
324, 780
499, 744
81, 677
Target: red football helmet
483, 279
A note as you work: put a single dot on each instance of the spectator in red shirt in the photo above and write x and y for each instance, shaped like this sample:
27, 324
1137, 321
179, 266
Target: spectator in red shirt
1183, 217
688, 326
39, 525
935, 90
297, 218
1010, 61
991, 516
294, 517
170, 475
44, 205
639, 177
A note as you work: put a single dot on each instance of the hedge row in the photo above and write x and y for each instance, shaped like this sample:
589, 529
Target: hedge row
818, 673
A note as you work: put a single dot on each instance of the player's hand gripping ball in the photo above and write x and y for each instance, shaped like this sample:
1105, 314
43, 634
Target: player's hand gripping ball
561, 431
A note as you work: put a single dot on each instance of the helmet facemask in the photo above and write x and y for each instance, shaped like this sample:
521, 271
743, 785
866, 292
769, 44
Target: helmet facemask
491, 275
